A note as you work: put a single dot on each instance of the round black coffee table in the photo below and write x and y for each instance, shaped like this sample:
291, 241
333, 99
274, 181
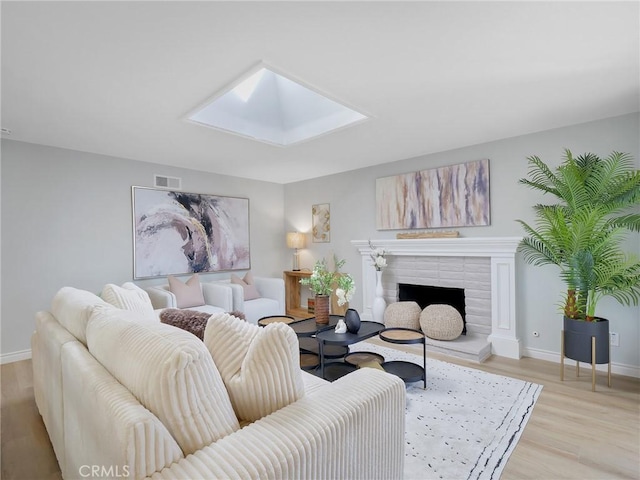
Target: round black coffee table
329, 338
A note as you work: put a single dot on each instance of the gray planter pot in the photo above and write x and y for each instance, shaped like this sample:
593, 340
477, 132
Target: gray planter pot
577, 339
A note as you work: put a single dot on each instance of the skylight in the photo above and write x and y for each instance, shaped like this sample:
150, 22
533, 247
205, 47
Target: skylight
268, 107
247, 87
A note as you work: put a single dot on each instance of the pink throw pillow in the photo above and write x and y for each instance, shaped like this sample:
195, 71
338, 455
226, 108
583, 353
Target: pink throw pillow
187, 294
250, 290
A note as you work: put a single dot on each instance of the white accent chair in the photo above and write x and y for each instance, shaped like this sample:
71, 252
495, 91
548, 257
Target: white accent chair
218, 298
271, 301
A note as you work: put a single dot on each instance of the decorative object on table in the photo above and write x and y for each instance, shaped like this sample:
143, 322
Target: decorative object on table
341, 327
296, 241
178, 233
322, 283
339, 304
435, 234
583, 234
441, 322
320, 223
311, 305
456, 196
403, 314
322, 309
379, 303
352, 320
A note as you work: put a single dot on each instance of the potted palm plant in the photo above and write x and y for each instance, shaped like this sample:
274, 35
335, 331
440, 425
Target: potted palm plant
582, 234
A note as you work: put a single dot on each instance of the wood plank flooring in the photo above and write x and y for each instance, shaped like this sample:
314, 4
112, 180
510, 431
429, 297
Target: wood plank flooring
573, 432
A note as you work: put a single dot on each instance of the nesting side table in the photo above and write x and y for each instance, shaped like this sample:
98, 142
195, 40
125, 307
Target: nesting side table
329, 338
407, 371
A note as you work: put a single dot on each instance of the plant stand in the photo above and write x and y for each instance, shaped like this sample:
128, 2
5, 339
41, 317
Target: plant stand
593, 363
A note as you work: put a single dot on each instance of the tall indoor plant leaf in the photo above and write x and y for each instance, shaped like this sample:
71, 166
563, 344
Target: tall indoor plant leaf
582, 232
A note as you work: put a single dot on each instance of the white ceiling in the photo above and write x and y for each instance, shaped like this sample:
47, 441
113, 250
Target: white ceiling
117, 78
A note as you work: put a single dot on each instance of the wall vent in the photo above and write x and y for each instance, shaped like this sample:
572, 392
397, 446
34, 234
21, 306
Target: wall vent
162, 181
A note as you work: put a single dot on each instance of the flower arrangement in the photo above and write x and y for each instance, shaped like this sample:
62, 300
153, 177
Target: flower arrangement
346, 288
377, 255
322, 281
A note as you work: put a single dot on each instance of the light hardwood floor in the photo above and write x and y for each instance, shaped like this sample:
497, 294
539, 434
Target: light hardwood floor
573, 432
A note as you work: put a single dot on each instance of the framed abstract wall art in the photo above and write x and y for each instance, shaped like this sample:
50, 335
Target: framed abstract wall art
179, 233
321, 223
452, 196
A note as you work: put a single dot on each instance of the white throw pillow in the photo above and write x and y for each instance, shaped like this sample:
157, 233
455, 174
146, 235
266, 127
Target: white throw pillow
259, 366
72, 308
168, 370
129, 297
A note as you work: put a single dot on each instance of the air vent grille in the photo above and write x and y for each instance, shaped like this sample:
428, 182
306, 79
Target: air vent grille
172, 183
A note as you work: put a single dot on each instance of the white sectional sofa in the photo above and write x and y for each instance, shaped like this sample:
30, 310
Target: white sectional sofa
139, 399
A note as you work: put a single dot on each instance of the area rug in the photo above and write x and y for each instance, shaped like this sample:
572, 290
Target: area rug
465, 424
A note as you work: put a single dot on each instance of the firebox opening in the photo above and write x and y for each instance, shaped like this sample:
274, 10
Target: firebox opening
425, 295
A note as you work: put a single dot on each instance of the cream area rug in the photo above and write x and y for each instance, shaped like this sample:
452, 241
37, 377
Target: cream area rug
465, 424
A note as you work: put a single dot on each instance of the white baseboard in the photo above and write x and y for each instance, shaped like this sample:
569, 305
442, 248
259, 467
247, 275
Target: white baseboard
15, 356
617, 368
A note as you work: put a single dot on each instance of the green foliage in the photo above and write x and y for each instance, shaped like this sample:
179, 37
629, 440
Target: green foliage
322, 281
583, 231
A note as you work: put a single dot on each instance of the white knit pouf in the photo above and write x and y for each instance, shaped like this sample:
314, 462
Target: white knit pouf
402, 314
441, 322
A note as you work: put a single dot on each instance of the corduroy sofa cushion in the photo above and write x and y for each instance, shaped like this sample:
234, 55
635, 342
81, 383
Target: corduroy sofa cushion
168, 370
259, 366
129, 297
72, 307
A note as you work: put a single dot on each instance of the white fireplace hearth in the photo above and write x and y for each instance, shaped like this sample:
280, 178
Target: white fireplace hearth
483, 266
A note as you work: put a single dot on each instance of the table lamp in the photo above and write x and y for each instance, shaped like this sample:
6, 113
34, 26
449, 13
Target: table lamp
295, 240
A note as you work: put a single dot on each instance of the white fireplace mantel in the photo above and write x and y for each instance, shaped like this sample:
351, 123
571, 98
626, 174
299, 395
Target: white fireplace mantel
501, 251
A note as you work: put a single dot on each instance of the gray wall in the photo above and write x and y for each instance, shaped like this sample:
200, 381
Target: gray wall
66, 220
352, 199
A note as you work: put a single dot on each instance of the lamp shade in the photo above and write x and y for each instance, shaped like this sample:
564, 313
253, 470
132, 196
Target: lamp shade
295, 240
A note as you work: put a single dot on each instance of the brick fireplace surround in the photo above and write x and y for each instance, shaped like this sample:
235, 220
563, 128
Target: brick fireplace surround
483, 266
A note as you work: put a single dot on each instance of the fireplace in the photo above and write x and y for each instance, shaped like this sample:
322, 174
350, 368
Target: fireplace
425, 295
483, 266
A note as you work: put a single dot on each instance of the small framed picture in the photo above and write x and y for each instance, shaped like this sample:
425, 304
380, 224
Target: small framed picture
321, 223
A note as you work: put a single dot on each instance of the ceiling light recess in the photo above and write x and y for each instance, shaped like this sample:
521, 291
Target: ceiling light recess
269, 107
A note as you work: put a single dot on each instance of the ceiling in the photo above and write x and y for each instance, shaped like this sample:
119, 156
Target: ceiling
118, 78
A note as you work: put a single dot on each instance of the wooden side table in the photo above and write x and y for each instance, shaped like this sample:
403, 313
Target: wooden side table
292, 293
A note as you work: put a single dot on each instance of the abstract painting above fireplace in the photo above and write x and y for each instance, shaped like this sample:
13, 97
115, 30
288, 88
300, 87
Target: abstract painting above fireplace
451, 196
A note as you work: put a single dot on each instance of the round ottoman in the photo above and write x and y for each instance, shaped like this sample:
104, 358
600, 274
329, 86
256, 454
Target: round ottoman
441, 322
403, 314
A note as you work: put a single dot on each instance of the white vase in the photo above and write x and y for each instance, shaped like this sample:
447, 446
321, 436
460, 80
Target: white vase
379, 304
